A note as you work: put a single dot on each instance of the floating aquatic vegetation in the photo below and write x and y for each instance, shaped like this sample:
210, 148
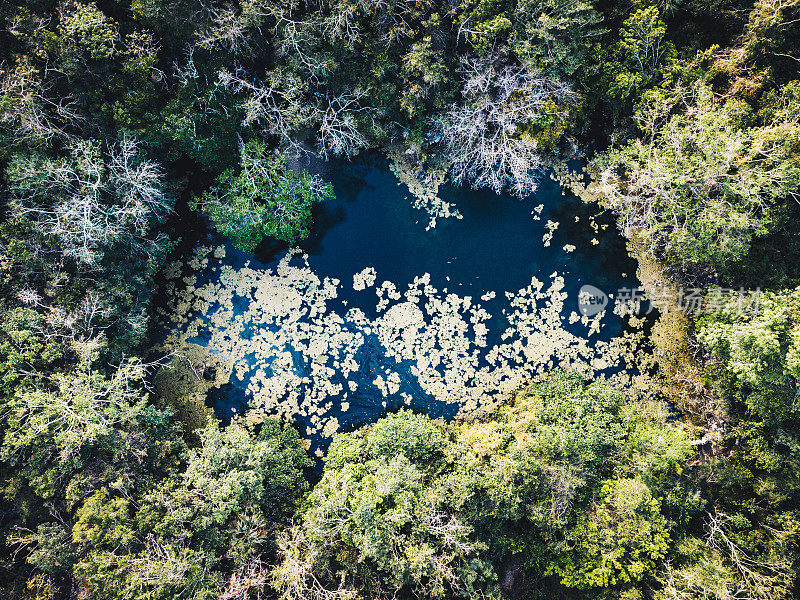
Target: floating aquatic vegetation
301, 354
423, 184
548, 236
364, 279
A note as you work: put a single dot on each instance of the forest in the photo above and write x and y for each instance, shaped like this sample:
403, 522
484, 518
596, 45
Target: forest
123, 120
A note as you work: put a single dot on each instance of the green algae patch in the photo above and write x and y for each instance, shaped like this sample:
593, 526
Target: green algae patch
184, 383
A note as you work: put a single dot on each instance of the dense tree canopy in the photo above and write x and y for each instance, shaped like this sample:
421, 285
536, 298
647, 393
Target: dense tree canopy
121, 120
706, 181
418, 506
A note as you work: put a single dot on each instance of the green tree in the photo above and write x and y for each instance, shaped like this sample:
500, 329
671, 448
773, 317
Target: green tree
235, 470
86, 32
217, 515
381, 519
24, 350
487, 23
379, 525
158, 572
261, 198
81, 427
568, 421
534, 476
639, 56
753, 367
416, 436
705, 181
426, 70
236, 490
103, 523
760, 354
556, 34
620, 541
539, 463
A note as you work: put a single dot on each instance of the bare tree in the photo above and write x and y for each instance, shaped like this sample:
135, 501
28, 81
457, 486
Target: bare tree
277, 104
282, 106
89, 201
297, 575
186, 72
137, 185
341, 22
485, 134
341, 118
760, 579
76, 215
450, 531
394, 17
248, 581
389, 17
297, 41
231, 26
234, 26
562, 487
26, 110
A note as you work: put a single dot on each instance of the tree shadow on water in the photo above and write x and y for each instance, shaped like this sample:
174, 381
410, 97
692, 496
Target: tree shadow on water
325, 217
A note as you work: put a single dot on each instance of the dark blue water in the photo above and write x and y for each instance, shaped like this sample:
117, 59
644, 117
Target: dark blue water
496, 246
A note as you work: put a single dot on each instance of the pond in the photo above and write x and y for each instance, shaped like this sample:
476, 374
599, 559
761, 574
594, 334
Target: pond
377, 311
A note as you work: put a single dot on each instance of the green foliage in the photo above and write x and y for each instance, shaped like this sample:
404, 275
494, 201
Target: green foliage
567, 422
754, 371
706, 181
235, 490
159, 572
562, 479
548, 128
415, 436
557, 466
263, 198
427, 69
58, 427
23, 347
200, 125
700, 573
486, 22
102, 523
379, 525
86, 32
216, 509
654, 449
761, 354
642, 38
236, 470
555, 34
54, 551
619, 541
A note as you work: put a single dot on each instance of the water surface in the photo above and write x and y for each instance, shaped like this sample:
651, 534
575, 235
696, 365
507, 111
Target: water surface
457, 326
